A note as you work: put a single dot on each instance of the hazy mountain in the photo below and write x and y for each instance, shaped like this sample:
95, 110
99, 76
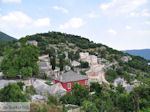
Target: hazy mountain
5, 37
145, 53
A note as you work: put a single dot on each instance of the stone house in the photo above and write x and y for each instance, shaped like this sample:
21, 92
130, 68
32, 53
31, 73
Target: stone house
96, 74
44, 65
91, 59
32, 42
69, 78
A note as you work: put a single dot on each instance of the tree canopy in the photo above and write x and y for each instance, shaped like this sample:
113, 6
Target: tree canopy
12, 93
21, 61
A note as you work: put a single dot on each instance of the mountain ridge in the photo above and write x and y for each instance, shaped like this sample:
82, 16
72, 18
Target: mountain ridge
6, 37
145, 53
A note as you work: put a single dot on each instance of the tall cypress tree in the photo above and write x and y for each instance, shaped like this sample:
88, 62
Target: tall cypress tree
61, 64
53, 62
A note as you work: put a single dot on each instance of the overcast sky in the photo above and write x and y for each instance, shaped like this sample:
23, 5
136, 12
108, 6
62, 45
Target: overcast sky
120, 24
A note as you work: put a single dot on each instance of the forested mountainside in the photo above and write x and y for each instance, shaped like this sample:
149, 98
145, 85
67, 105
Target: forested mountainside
5, 37
124, 65
21, 58
145, 53
5, 41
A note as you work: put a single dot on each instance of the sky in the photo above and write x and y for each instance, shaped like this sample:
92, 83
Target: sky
120, 24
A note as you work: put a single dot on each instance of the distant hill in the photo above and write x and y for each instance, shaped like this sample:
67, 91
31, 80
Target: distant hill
145, 53
5, 37
117, 63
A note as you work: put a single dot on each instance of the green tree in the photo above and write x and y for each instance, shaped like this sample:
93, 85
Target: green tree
96, 87
61, 63
73, 56
120, 89
89, 106
52, 100
26, 72
125, 102
51, 52
84, 64
53, 62
76, 96
111, 75
12, 93
70, 55
141, 96
21, 61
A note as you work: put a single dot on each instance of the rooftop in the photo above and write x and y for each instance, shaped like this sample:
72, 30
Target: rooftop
41, 87
4, 83
70, 76
43, 64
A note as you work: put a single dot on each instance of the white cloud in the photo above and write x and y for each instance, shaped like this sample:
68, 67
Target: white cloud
20, 20
122, 6
15, 18
106, 6
11, 1
144, 13
19, 23
73, 23
134, 14
62, 9
93, 15
43, 22
128, 27
111, 31
147, 22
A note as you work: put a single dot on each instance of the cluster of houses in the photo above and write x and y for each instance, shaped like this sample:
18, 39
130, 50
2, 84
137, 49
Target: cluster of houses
63, 82
123, 83
96, 72
59, 86
128, 87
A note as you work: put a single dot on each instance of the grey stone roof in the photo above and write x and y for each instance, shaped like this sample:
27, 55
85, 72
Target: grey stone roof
42, 88
70, 76
129, 88
43, 64
4, 83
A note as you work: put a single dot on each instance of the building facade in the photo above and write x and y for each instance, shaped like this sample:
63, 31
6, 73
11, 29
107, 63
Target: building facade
91, 59
70, 78
32, 42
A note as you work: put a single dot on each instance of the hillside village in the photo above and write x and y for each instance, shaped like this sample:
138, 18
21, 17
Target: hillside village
63, 65
62, 81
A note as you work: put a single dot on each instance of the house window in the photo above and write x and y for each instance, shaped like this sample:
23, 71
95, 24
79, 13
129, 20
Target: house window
86, 82
69, 85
